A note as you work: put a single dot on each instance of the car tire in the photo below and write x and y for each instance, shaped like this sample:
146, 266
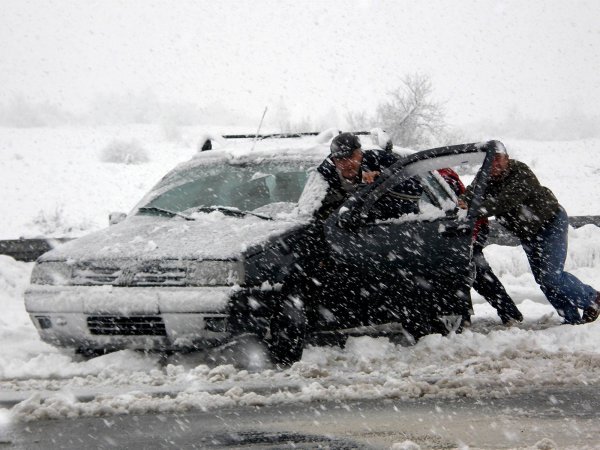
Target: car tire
287, 332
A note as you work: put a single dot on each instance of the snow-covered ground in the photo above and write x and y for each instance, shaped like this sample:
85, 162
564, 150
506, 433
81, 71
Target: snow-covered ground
57, 175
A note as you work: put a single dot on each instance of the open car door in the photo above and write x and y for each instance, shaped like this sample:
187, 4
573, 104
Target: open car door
417, 265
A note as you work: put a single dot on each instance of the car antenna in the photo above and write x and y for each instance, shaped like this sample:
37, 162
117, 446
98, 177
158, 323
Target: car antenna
259, 127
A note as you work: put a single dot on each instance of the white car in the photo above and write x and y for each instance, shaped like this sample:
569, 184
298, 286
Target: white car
209, 254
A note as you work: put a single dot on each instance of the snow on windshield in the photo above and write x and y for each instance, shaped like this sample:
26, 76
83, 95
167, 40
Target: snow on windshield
242, 187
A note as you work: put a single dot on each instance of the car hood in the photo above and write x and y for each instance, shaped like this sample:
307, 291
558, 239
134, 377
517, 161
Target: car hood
211, 236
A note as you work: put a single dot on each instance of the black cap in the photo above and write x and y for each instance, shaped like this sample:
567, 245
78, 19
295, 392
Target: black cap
344, 144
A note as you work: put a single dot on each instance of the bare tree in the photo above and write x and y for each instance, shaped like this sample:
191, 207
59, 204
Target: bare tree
410, 115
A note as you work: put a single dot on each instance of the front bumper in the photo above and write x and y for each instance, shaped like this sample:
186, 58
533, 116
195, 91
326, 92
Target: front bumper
109, 317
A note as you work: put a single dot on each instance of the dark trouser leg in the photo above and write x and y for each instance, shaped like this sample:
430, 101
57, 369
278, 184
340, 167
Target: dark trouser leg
489, 286
547, 252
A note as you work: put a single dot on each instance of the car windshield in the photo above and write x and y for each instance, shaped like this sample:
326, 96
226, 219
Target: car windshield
265, 189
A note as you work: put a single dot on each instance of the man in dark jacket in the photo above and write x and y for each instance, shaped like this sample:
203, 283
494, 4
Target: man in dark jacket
486, 282
532, 213
348, 167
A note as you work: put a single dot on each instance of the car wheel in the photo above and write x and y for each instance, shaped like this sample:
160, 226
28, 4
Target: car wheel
287, 329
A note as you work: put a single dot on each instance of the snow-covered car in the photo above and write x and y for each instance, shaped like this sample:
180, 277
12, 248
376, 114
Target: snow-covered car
215, 251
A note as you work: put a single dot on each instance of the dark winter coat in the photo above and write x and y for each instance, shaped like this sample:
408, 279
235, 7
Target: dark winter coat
518, 200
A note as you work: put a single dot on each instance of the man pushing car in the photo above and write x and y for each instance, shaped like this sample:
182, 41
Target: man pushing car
532, 213
348, 167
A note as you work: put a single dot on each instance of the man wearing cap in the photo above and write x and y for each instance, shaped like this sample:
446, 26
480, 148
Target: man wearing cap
532, 213
486, 283
348, 167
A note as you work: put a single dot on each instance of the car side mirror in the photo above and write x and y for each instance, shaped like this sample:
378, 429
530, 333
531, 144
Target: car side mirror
116, 217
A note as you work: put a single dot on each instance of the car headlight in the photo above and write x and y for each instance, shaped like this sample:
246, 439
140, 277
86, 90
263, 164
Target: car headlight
216, 273
52, 272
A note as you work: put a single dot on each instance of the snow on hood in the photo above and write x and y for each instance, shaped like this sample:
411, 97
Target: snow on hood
211, 236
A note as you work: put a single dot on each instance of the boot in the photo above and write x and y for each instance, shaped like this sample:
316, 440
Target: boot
592, 312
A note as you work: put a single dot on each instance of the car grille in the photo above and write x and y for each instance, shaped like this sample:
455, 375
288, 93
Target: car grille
159, 274
126, 326
95, 275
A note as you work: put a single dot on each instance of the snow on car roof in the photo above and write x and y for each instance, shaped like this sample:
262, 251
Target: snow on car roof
312, 149
246, 150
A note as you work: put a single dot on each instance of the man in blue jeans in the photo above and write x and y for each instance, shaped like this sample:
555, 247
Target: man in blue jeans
532, 213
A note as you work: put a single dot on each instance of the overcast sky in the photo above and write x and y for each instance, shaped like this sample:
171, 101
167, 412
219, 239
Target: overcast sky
484, 57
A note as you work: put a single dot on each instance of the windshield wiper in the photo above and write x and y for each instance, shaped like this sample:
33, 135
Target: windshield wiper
164, 211
229, 211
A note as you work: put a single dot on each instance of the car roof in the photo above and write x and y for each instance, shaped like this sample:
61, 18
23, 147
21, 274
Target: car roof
310, 149
243, 151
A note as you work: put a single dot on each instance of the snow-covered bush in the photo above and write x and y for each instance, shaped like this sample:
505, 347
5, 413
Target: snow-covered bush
56, 223
124, 152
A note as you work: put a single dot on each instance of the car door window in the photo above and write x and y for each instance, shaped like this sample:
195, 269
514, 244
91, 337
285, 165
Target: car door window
422, 197
396, 201
438, 189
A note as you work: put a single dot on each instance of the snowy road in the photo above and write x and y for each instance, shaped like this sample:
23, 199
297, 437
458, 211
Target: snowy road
567, 418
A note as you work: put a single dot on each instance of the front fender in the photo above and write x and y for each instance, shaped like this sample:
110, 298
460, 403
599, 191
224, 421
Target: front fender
250, 310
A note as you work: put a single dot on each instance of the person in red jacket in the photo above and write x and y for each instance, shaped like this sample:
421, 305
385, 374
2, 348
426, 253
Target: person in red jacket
486, 283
